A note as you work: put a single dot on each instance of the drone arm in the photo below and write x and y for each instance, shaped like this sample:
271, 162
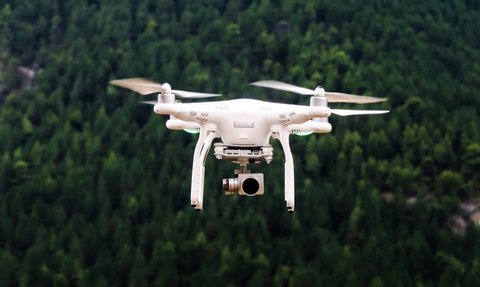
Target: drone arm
169, 109
188, 113
283, 137
310, 126
176, 124
294, 114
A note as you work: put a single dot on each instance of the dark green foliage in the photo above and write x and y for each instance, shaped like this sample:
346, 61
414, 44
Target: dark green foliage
94, 191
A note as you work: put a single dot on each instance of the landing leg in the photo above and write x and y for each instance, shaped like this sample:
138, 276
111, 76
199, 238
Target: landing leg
203, 157
283, 136
198, 170
196, 167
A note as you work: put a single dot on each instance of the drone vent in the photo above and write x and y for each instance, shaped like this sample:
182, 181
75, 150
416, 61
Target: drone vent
222, 107
245, 125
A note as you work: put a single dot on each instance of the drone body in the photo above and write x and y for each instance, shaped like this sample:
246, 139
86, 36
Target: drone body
242, 122
244, 127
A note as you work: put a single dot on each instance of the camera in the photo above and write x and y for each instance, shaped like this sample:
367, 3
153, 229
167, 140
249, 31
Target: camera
249, 184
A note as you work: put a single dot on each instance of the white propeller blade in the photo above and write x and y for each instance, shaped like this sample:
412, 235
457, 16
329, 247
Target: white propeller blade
145, 87
187, 94
283, 86
149, 102
342, 112
331, 96
334, 97
139, 85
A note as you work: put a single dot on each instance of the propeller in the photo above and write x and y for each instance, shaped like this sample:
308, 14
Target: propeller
332, 97
145, 87
341, 112
149, 102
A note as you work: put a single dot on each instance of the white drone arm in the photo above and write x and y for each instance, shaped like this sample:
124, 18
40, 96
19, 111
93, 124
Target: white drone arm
176, 124
294, 114
318, 112
319, 127
177, 110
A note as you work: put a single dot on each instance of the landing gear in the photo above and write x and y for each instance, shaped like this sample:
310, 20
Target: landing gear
283, 136
198, 170
243, 183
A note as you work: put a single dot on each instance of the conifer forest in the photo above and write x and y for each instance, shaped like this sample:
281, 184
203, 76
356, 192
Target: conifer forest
95, 190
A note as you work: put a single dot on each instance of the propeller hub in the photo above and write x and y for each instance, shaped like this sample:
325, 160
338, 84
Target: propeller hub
167, 89
319, 92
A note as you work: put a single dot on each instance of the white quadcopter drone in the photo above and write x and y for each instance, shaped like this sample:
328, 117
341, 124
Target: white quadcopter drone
245, 127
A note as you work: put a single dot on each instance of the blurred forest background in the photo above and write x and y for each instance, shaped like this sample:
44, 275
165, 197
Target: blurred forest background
94, 190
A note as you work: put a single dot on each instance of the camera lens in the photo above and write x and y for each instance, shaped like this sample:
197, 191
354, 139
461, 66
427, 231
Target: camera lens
250, 186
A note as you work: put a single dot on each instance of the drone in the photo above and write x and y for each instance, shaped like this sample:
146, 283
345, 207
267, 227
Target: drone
244, 127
